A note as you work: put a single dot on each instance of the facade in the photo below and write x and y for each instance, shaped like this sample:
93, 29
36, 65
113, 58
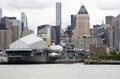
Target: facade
100, 31
113, 22
73, 21
0, 12
95, 30
85, 43
109, 37
118, 25
24, 22
91, 32
15, 31
15, 22
27, 31
5, 39
4, 22
58, 21
14, 26
26, 43
48, 33
10, 31
97, 50
81, 23
58, 14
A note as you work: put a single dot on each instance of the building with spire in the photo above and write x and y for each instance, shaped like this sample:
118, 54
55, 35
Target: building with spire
81, 23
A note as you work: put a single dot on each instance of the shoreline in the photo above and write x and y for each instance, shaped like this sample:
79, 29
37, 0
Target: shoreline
102, 62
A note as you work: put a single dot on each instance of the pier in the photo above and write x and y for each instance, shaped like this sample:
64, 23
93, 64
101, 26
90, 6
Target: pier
101, 62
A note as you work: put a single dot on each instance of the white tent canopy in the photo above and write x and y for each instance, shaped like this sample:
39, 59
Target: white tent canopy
29, 42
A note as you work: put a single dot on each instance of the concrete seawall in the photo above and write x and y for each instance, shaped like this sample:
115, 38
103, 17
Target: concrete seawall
101, 62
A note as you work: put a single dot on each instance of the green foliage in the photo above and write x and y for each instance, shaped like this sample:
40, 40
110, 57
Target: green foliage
112, 56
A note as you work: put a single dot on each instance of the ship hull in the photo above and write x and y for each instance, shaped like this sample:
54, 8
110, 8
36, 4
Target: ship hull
27, 59
34, 59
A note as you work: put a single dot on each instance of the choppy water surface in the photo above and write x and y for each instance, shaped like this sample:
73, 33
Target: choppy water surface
59, 71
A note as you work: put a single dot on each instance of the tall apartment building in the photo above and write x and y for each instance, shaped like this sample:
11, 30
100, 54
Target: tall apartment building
4, 22
5, 39
109, 36
81, 23
113, 22
24, 22
58, 20
9, 31
15, 34
58, 14
118, 25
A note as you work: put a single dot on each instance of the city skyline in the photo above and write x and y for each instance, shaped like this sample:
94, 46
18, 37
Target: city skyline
43, 11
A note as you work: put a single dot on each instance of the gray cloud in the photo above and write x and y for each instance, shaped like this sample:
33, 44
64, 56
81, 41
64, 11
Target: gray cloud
43, 11
28, 4
109, 4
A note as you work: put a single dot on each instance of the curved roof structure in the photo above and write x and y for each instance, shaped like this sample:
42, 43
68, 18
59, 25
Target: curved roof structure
82, 10
29, 42
56, 47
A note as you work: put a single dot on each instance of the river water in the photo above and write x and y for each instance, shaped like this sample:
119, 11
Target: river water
60, 71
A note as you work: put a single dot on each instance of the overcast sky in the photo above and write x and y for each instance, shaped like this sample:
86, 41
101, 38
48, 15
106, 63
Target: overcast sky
43, 11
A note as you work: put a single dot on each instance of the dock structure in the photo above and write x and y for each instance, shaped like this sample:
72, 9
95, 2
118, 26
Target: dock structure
101, 62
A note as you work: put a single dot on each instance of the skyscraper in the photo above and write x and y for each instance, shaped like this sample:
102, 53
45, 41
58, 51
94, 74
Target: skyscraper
9, 31
109, 36
118, 25
23, 22
113, 22
5, 39
73, 21
0, 12
58, 14
82, 23
58, 21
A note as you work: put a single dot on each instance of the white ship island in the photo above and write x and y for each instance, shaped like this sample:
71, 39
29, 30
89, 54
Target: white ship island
33, 49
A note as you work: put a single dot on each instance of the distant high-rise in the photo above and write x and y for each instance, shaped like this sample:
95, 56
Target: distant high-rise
5, 39
23, 22
81, 23
111, 20
114, 36
73, 21
58, 14
0, 12
48, 33
9, 31
109, 36
58, 21
118, 25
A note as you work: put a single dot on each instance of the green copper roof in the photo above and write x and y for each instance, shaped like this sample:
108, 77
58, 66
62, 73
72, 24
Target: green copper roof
82, 10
